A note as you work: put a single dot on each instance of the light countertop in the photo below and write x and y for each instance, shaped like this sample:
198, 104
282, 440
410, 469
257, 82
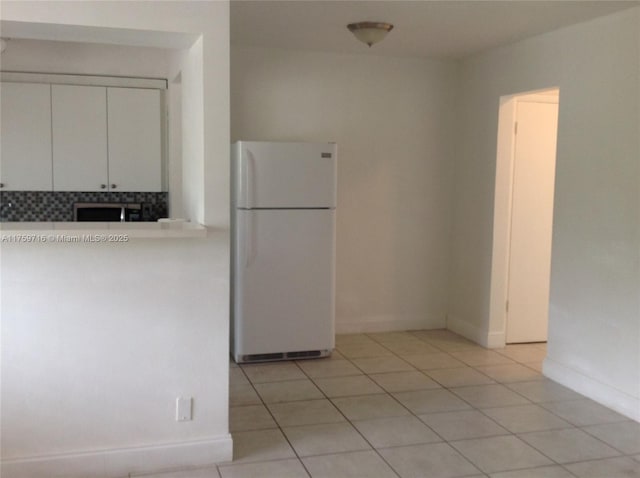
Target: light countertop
97, 231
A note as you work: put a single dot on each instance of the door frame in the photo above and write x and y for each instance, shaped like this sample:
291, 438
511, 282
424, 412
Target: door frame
503, 201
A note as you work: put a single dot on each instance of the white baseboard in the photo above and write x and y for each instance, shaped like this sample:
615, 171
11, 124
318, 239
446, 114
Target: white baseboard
496, 340
490, 340
119, 463
602, 393
386, 323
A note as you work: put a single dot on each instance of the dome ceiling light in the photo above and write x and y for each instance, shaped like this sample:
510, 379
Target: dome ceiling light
370, 32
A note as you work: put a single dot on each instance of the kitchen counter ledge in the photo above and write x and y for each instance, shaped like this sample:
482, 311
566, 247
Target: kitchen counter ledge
42, 232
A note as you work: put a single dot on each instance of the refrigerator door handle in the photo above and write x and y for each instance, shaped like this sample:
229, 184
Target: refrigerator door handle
250, 239
249, 179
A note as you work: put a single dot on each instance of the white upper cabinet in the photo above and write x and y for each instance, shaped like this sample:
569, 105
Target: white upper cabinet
79, 138
25, 137
134, 139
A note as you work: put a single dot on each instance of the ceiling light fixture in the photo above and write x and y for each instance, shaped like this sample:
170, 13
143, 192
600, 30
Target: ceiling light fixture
370, 32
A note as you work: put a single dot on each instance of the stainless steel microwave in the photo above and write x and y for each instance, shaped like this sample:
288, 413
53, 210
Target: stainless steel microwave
107, 211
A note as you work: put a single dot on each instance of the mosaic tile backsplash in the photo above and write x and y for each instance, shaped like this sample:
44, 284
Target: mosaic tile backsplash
30, 206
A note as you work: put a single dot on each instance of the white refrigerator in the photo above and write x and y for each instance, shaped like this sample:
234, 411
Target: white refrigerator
283, 250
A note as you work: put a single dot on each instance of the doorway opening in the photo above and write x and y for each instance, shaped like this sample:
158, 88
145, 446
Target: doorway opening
523, 216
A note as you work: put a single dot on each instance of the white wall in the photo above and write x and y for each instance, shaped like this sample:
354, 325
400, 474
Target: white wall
594, 336
89, 385
98, 341
193, 131
393, 121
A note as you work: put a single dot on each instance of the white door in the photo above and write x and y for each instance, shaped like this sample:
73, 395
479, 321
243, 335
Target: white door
284, 297
135, 147
276, 175
531, 221
79, 138
25, 143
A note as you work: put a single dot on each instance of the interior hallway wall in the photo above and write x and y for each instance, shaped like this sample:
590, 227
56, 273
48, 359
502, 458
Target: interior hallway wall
393, 121
594, 326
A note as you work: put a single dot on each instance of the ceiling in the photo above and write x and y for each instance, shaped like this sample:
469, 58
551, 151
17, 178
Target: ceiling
446, 29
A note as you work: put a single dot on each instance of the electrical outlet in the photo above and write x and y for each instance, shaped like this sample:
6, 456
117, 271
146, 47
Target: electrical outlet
184, 407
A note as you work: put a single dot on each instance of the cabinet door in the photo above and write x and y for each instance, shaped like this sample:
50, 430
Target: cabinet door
135, 148
25, 141
79, 138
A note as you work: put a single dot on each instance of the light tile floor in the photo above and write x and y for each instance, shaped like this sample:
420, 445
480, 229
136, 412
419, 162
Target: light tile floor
419, 404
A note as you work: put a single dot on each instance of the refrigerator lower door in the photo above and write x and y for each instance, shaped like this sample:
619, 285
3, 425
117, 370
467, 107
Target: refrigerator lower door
284, 292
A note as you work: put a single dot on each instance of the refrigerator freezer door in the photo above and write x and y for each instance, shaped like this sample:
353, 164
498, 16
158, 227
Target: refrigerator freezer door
285, 175
284, 299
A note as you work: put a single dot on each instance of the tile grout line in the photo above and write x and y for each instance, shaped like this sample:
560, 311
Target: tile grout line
443, 440
506, 385
279, 427
513, 434
448, 389
622, 453
473, 408
414, 368
573, 426
349, 421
